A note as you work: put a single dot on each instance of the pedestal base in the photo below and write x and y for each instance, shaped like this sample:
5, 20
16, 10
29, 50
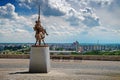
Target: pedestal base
39, 59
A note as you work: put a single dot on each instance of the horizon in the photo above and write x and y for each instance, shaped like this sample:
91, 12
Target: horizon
64, 43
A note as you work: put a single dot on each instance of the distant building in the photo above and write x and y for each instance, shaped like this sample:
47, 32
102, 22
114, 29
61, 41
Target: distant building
75, 46
100, 47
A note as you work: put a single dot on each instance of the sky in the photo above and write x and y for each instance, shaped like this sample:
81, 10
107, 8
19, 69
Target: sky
66, 21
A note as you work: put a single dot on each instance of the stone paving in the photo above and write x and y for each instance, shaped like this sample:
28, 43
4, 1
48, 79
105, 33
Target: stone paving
18, 69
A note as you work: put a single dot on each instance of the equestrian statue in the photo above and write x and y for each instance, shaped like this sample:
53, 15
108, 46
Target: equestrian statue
40, 32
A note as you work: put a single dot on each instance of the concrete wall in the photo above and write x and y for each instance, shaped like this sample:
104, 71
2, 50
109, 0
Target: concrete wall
66, 57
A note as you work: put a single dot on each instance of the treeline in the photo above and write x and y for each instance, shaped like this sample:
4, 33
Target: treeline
96, 52
13, 48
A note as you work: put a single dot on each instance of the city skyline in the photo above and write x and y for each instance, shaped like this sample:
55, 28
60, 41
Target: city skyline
66, 21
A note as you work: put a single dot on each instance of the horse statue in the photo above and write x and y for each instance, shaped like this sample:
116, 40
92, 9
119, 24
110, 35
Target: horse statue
40, 33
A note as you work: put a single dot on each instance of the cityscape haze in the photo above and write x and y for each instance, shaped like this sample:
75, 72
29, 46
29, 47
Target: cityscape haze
76, 47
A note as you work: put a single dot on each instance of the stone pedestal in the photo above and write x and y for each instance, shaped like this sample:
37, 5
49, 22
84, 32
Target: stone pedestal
39, 59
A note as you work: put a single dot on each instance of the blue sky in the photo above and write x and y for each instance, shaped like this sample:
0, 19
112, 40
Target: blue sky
66, 21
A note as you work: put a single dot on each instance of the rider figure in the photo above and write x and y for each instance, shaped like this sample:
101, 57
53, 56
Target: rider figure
40, 32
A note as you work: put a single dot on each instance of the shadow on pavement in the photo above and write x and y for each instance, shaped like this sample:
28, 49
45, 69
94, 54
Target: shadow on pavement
26, 72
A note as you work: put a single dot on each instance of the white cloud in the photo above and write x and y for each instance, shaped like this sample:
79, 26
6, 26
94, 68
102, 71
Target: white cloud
99, 3
70, 9
14, 28
20, 28
62, 5
14, 31
8, 11
78, 23
75, 13
24, 3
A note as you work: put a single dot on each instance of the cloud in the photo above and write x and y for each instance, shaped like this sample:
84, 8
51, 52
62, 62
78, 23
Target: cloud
60, 30
91, 22
13, 27
84, 16
66, 21
90, 18
110, 16
100, 3
46, 9
76, 14
20, 28
74, 20
8, 11
15, 31
70, 9
104, 34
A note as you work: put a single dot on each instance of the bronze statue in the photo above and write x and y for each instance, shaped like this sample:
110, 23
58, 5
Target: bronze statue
40, 31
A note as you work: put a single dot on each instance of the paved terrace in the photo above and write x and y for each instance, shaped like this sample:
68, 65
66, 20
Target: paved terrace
17, 69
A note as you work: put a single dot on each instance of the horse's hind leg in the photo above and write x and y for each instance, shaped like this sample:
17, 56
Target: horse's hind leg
43, 42
36, 42
39, 42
